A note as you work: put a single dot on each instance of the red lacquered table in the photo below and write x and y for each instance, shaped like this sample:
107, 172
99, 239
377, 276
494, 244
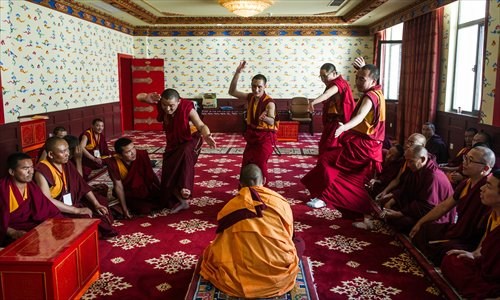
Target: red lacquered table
59, 259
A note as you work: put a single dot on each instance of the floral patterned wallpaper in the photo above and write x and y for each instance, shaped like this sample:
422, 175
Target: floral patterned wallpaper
488, 105
51, 61
196, 65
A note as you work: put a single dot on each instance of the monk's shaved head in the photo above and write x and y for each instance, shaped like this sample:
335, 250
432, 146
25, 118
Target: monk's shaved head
416, 139
487, 155
251, 175
416, 151
52, 142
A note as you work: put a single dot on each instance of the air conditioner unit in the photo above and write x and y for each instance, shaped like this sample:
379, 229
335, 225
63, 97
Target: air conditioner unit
209, 100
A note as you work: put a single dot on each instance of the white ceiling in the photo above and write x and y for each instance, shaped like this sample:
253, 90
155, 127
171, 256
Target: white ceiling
132, 11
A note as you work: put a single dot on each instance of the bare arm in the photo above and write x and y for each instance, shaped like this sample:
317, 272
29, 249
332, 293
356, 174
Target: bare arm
233, 87
435, 213
151, 98
102, 210
326, 95
15, 234
364, 109
392, 185
44, 186
120, 193
78, 159
85, 152
202, 128
269, 115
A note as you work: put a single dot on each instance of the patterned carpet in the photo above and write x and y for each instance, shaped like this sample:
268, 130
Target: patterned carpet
154, 257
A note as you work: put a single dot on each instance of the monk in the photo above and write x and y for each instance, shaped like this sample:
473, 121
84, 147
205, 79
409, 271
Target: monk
476, 275
434, 240
135, 184
393, 161
338, 105
183, 146
66, 188
455, 163
22, 204
253, 254
341, 174
58, 131
262, 125
418, 192
95, 147
435, 143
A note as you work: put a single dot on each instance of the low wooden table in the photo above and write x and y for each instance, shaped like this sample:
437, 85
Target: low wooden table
59, 259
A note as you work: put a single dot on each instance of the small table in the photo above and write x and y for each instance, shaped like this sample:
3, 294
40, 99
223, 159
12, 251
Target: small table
288, 131
59, 259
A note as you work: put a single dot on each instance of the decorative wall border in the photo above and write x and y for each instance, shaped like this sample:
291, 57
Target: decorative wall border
253, 31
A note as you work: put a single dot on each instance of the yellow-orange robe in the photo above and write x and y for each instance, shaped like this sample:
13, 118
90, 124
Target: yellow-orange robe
253, 254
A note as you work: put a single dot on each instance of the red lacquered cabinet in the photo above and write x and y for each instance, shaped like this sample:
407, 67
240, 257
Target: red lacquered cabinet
59, 259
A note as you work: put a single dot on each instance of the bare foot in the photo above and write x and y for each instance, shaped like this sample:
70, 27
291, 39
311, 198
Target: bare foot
185, 193
182, 205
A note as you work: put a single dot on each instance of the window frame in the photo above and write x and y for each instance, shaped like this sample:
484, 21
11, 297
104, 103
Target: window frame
381, 62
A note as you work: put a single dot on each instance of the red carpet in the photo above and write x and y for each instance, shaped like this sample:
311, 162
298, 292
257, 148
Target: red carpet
154, 257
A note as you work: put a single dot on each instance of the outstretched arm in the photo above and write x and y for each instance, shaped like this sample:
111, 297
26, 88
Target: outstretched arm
151, 98
358, 63
325, 96
269, 115
233, 87
364, 109
202, 128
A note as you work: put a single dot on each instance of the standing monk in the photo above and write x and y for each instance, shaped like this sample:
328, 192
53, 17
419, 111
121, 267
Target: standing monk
183, 146
95, 147
262, 126
338, 105
60, 181
340, 174
22, 204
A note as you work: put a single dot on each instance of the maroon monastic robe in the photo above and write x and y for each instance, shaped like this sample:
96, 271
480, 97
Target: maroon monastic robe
340, 174
337, 108
141, 186
32, 211
418, 192
390, 170
78, 188
260, 136
93, 144
478, 278
458, 159
466, 233
181, 153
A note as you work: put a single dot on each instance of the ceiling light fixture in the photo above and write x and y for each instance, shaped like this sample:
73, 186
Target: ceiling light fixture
246, 8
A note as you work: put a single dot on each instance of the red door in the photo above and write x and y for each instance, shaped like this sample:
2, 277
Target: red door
147, 77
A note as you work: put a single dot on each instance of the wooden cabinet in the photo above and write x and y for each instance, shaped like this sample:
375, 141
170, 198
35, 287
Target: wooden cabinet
32, 135
59, 259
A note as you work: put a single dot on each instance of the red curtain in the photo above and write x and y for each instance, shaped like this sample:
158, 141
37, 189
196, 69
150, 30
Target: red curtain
420, 73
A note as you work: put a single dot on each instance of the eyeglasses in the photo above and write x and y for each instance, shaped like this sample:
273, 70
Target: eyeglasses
468, 160
325, 76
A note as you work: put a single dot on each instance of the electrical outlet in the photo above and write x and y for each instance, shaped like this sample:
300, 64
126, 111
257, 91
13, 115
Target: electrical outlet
451, 146
390, 125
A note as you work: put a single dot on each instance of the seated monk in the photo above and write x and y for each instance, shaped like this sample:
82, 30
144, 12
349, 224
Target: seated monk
476, 275
434, 240
418, 192
94, 146
135, 183
455, 163
391, 166
253, 254
22, 204
435, 144
59, 131
66, 188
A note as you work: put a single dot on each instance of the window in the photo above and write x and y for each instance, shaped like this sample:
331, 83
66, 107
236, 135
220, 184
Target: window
467, 76
390, 61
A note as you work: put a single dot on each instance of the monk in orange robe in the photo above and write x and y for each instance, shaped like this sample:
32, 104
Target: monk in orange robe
262, 125
434, 240
340, 175
476, 275
95, 147
338, 105
22, 204
253, 254
135, 183
183, 145
60, 181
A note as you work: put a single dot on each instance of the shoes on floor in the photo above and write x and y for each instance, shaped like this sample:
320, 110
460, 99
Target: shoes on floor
365, 224
316, 203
